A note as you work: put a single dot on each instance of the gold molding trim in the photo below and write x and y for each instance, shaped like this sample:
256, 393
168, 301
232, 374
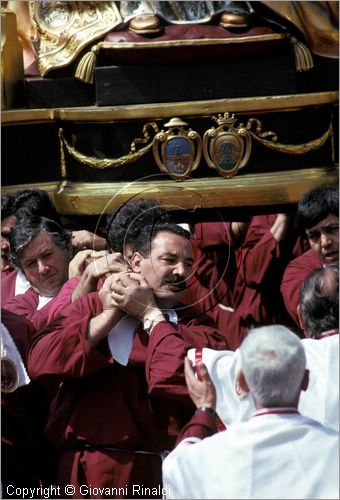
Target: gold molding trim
244, 105
196, 41
272, 188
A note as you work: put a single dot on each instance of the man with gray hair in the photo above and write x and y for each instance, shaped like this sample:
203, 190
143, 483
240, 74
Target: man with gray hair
42, 250
318, 309
318, 314
272, 455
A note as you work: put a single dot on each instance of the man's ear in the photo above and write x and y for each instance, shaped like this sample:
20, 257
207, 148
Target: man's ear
305, 381
241, 386
135, 262
301, 322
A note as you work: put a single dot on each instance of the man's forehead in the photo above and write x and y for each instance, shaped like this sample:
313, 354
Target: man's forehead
38, 243
166, 239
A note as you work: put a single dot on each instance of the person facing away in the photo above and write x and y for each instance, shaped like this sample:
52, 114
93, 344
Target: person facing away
318, 313
278, 453
318, 217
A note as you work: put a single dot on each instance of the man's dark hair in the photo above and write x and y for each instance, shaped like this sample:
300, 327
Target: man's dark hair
35, 202
27, 229
125, 225
8, 206
316, 205
144, 241
319, 301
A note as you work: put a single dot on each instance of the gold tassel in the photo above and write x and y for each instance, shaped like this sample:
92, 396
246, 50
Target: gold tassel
303, 56
62, 155
85, 68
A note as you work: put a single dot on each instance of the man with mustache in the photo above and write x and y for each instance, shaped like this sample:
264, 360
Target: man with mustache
89, 269
122, 397
318, 217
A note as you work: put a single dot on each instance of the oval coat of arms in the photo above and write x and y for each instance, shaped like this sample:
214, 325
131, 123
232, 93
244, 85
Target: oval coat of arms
227, 150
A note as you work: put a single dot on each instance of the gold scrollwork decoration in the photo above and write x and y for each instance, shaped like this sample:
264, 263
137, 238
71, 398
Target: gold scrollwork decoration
105, 163
177, 151
227, 148
292, 149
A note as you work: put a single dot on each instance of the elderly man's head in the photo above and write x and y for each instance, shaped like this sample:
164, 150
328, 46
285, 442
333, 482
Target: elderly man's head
318, 216
273, 366
318, 309
163, 255
41, 248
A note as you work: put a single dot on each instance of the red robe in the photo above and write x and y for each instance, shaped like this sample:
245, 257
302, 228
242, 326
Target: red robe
213, 279
8, 282
26, 304
261, 263
256, 294
102, 406
294, 275
46, 314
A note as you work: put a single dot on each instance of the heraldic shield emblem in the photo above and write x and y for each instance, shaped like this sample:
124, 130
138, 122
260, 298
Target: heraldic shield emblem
177, 151
226, 149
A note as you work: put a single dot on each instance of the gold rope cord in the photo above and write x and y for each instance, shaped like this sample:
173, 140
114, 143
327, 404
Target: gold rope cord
104, 163
292, 149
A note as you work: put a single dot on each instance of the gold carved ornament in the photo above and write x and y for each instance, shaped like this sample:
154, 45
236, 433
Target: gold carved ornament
61, 30
227, 148
178, 152
292, 149
104, 163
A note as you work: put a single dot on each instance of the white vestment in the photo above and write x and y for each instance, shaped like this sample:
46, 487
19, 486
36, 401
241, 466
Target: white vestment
270, 456
320, 402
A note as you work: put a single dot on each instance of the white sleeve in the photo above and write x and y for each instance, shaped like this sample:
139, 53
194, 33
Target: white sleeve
223, 366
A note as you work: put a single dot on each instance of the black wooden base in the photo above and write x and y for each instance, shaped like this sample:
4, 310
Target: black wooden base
58, 92
120, 85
